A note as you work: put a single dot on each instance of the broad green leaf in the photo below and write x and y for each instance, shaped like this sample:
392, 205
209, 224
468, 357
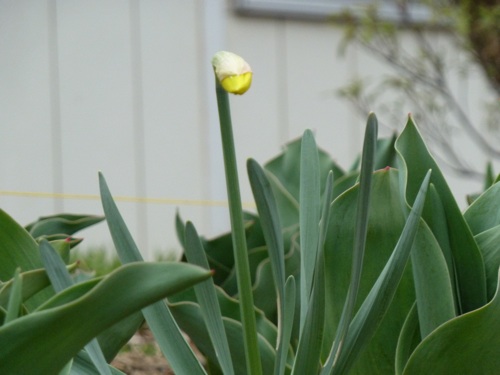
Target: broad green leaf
82, 365
436, 220
489, 176
270, 223
33, 282
468, 344
288, 205
159, 318
415, 160
288, 316
115, 337
435, 302
385, 155
67, 224
408, 340
286, 168
219, 251
62, 247
363, 205
60, 280
70, 294
309, 201
484, 212
15, 298
17, 248
488, 243
375, 305
230, 309
307, 358
207, 300
55, 267
386, 221
189, 317
344, 183
271, 227
24, 341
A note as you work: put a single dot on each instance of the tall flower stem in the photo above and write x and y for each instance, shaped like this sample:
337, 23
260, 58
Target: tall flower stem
238, 235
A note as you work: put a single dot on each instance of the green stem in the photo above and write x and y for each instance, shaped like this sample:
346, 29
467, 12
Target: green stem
238, 235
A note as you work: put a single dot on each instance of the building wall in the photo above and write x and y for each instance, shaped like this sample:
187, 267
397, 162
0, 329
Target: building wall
126, 88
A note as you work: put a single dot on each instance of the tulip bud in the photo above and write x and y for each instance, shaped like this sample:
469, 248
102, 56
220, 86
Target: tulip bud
234, 73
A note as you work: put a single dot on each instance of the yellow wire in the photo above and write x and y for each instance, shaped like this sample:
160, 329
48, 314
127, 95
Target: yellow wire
169, 201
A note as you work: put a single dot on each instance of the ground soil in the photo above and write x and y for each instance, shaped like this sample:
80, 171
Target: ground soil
142, 356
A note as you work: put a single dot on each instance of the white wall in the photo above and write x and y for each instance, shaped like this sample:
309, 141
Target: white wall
126, 88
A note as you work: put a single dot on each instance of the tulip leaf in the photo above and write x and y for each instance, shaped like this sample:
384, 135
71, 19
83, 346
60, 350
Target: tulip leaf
60, 280
309, 201
378, 300
66, 224
33, 282
158, 316
386, 221
359, 246
207, 300
468, 344
435, 302
15, 298
484, 212
488, 243
415, 160
409, 338
17, 248
189, 317
24, 341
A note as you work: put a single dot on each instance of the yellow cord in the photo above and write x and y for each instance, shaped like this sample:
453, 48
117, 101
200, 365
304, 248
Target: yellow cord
173, 202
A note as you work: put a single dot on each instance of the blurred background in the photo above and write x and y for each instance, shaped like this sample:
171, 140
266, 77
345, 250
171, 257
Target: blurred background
126, 87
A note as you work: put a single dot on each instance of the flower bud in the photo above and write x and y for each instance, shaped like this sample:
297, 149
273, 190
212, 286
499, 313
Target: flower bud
234, 73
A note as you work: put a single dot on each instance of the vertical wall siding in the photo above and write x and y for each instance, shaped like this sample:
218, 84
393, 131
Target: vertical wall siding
126, 88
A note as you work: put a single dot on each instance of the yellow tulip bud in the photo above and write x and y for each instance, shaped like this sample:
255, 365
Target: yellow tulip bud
233, 73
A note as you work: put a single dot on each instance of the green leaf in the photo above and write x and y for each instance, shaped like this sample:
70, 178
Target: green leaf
435, 215
17, 248
15, 298
60, 280
309, 218
207, 299
488, 243
484, 212
385, 154
67, 224
386, 221
307, 358
271, 227
229, 308
363, 205
468, 344
33, 282
415, 161
82, 365
408, 340
435, 302
56, 269
381, 295
24, 341
62, 247
158, 316
115, 337
286, 168
189, 317
489, 176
